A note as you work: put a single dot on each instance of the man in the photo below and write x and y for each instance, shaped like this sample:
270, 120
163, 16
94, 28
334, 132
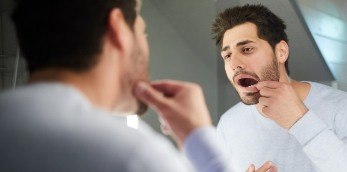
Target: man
88, 63
300, 126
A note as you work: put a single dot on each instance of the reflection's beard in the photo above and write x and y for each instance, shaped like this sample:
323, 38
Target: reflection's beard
269, 73
250, 98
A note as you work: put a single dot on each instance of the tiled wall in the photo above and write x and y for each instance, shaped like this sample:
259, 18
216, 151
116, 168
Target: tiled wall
8, 51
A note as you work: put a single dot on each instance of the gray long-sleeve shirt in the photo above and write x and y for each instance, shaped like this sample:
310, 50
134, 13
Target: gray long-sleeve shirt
53, 127
317, 142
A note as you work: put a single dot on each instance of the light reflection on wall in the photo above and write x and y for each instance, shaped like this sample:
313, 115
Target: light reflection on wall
328, 24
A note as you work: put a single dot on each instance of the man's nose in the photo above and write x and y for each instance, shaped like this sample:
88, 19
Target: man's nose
236, 63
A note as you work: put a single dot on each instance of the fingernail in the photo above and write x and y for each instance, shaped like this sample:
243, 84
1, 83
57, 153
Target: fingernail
141, 87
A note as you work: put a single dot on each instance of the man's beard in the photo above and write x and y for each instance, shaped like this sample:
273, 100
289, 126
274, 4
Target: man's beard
142, 108
138, 72
269, 73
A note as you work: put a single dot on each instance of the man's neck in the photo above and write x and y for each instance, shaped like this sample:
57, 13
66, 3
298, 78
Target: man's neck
301, 88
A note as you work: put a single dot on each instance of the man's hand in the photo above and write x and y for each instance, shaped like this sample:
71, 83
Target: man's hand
180, 104
267, 167
280, 103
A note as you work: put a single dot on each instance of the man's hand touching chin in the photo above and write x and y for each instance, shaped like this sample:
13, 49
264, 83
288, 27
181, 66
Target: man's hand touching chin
280, 102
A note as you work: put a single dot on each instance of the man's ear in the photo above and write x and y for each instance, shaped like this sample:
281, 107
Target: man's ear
282, 51
119, 31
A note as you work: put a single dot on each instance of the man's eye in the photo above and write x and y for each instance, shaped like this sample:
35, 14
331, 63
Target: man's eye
247, 50
227, 57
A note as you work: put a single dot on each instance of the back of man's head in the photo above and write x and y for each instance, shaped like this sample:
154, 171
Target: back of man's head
65, 34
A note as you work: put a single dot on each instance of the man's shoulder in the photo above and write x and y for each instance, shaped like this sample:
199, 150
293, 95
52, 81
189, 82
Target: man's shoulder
325, 94
6, 95
67, 114
13, 99
38, 92
92, 138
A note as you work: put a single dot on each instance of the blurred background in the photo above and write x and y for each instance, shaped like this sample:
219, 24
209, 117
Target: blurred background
182, 48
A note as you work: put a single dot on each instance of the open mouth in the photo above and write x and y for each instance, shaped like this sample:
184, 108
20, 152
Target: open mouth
247, 82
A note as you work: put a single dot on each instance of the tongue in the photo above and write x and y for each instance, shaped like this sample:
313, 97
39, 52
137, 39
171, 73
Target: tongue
246, 82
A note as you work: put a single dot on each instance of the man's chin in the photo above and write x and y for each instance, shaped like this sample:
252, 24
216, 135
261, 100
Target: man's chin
247, 102
250, 98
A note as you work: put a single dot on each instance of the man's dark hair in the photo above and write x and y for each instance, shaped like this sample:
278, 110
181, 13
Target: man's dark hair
65, 33
270, 27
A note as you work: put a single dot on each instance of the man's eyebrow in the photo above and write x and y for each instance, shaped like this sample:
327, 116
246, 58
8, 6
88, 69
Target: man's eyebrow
226, 48
244, 42
238, 44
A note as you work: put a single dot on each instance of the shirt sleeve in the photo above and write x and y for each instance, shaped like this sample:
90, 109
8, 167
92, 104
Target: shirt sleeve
327, 151
204, 150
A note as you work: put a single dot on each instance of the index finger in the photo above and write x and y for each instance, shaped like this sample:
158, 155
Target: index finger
168, 87
251, 168
268, 84
150, 96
